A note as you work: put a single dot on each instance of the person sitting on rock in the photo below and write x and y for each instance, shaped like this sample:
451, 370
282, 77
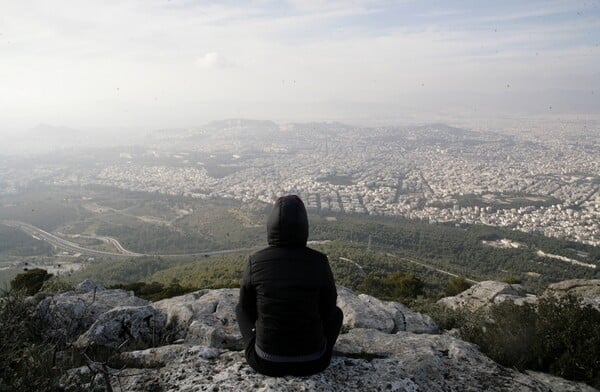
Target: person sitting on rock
287, 309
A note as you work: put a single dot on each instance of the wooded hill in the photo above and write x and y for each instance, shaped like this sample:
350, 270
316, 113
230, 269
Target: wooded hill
359, 246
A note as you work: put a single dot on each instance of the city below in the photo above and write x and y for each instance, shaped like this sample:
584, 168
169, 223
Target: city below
546, 182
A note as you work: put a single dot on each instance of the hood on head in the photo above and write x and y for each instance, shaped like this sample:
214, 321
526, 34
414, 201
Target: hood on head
288, 222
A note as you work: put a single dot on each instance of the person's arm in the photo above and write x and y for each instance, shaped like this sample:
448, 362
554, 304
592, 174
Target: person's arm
328, 296
248, 295
245, 310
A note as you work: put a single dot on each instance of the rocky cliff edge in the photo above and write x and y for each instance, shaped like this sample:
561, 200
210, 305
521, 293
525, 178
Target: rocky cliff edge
192, 343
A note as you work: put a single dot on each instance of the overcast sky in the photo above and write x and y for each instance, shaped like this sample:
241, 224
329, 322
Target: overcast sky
173, 63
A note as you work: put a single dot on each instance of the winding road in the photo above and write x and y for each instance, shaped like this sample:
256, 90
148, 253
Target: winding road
67, 245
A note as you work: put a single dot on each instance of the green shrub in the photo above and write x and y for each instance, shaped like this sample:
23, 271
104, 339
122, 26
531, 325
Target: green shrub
373, 286
512, 280
27, 361
56, 286
404, 285
558, 335
568, 342
443, 316
457, 285
30, 359
396, 286
30, 281
507, 334
154, 291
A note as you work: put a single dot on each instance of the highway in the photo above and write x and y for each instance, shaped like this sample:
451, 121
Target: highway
61, 243
105, 239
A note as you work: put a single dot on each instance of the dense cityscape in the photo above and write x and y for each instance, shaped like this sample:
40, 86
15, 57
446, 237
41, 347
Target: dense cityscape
436, 173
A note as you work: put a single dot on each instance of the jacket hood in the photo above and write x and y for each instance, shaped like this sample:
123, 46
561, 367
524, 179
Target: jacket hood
288, 222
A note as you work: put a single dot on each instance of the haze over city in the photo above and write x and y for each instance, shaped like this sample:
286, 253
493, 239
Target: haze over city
144, 65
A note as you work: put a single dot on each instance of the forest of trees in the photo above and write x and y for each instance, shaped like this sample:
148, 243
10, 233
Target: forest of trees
359, 248
227, 224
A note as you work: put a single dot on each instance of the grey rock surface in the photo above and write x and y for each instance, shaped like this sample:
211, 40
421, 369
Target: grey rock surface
375, 354
154, 357
588, 290
365, 311
70, 314
487, 293
557, 383
358, 313
205, 317
367, 360
88, 286
126, 327
403, 317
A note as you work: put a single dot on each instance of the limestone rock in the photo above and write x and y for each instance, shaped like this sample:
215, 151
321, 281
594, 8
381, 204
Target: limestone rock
437, 362
78, 379
367, 360
205, 317
88, 286
559, 384
403, 317
360, 314
487, 293
154, 357
378, 353
126, 327
70, 314
588, 290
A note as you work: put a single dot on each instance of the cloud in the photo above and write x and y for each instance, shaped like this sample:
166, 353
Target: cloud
212, 60
82, 61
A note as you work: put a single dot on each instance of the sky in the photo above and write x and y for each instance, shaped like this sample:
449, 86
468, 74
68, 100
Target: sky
153, 64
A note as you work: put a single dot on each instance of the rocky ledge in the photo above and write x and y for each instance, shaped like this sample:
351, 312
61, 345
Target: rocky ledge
192, 343
484, 294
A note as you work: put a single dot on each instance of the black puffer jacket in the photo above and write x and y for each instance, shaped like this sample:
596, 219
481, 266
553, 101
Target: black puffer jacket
288, 288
